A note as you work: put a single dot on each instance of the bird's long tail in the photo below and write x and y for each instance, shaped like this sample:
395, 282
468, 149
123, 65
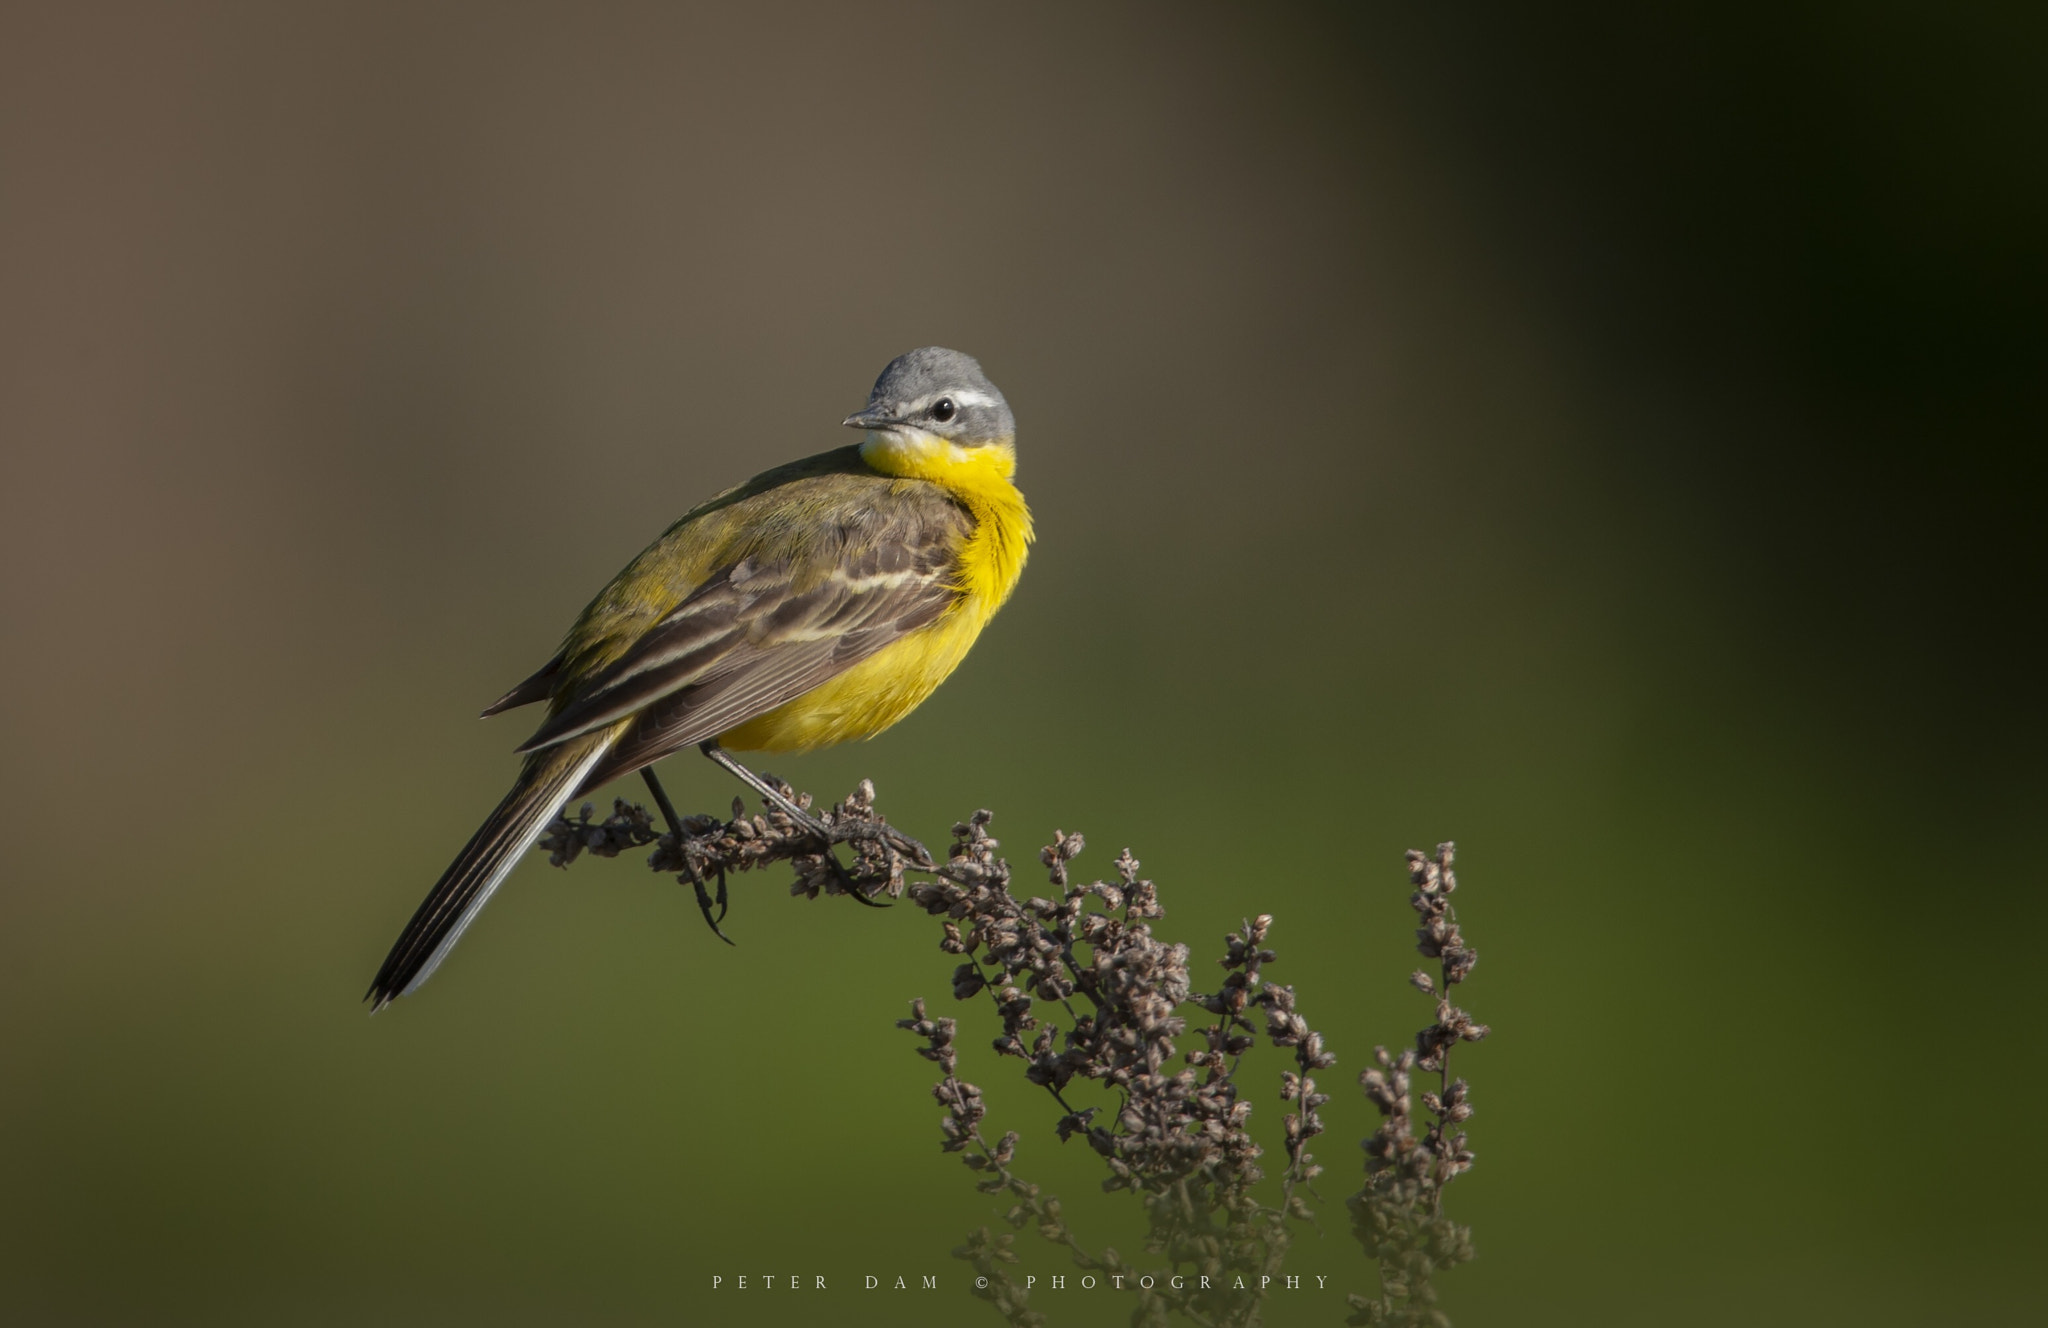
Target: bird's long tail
551, 777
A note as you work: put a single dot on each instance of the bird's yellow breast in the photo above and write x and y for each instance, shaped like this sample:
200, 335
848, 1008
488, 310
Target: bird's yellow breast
889, 684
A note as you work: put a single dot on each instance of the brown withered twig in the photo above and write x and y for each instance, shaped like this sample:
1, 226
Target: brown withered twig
1084, 991
1399, 1216
711, 847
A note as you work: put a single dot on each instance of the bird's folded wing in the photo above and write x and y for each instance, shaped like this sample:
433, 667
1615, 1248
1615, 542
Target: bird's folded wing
760, 633
539, 687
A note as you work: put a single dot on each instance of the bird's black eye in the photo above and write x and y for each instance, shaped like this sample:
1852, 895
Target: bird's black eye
942, 409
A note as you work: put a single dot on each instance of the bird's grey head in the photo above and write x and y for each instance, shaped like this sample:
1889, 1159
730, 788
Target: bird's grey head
940, 392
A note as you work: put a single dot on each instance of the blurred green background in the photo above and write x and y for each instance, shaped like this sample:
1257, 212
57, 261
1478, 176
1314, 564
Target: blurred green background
1608, 437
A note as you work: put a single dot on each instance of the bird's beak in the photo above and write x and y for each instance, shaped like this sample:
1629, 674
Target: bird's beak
874, 417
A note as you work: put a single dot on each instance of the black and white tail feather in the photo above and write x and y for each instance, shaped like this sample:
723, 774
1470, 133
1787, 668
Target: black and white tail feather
552, 777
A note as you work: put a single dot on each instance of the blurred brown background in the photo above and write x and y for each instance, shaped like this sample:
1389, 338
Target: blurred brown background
1611, 439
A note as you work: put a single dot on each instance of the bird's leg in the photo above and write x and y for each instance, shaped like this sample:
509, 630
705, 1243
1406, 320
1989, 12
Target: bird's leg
808, 823
668, 809
675, 827
723, 758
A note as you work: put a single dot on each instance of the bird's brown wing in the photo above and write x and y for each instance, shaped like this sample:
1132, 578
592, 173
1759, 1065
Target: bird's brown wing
762, 632
539, 687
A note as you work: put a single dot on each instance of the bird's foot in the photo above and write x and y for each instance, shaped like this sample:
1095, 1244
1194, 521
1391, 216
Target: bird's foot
704, 900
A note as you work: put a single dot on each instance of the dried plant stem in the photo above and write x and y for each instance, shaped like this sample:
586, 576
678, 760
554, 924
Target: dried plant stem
1398, 1217
1177, 1139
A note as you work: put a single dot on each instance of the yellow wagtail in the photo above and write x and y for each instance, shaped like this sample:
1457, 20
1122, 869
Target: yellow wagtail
816, 603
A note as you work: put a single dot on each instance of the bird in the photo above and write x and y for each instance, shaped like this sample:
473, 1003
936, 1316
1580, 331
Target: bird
817, 603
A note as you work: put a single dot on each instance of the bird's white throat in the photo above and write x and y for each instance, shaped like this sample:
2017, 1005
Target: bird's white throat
901, 449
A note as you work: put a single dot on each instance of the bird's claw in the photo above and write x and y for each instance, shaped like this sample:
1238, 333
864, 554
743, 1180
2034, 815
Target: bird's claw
704, 900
